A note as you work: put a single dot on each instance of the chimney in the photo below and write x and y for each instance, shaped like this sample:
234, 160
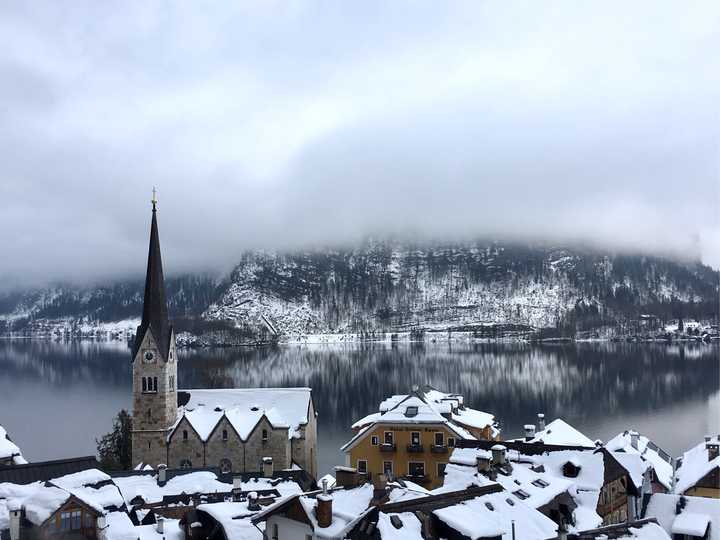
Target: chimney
237, 482
15, 518
498, 454
483, 463
162, 474
267, 467
346, 477
713, 449
324, 507
529, 432
562, 532
634, 439
253, 504
541, 422
160, 525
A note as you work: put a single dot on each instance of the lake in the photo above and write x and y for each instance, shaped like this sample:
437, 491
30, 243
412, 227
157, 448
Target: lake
56, 398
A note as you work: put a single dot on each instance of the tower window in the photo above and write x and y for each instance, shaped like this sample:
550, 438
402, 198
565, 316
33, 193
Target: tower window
154, 384
172, 382
144, 384
185, 435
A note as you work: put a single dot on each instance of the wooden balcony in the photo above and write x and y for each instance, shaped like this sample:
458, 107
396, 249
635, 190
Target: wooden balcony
415, 449
387, 447
439, 449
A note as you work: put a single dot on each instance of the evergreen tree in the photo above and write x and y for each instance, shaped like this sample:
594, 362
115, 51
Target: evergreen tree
115, 448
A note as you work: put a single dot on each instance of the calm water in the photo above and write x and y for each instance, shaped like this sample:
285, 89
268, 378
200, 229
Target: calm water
55, 399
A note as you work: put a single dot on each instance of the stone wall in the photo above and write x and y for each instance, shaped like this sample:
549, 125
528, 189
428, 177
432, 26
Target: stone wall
217, 449
277, 446
179, 449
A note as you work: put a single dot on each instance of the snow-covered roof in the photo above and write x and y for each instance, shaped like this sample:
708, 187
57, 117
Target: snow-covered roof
146, 486
696, 514
429, 407
244, 407
410, 528
658, 458
695, 465
635, 465
492, 515
234, 517
9, 449
119, 527
561, 433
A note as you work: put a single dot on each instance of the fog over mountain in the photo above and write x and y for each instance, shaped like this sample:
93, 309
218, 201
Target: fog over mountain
294, 124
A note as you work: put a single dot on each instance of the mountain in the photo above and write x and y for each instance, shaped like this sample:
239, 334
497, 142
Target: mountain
381, 287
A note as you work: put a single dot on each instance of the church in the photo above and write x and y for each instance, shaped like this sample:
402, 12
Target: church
238, 430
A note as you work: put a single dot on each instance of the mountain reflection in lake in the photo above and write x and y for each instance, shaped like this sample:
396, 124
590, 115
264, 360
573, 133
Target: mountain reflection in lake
58, 397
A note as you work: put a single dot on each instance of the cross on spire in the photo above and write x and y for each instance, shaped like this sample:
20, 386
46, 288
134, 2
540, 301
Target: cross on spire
154, 197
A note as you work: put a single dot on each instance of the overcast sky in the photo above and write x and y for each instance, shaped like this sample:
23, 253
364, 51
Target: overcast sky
292, 123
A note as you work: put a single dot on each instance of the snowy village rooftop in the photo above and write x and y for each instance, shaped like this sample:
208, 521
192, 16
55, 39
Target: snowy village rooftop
245, 407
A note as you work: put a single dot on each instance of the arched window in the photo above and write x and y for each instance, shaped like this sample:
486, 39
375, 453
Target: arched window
185, 435
225, 466
185, 464
154, 384
224, 434
144, 384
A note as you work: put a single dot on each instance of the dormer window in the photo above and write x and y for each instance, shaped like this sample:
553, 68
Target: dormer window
411, 411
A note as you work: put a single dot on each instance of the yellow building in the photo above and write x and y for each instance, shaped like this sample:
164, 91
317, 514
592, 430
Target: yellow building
413, 435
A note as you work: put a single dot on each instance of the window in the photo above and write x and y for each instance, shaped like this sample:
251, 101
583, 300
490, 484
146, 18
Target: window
441, 469
154, 384
171, 382
144, 384
264, 435
520, 494
362, 466
374, 440
185, 435
411, 411
540, 483
185, 464
76, 520
439, 439
89, 521
225, 466
149, 444
388, 467
65, 521
389, 438
451, 442
415, 438
416, 468
276, 534
224, 434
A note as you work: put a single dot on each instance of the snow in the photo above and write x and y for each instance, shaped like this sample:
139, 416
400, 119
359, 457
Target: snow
561, 433
244, 407
145, 486
695, 465
648, 531
475, 519
43, 503
329, 478
634, 464
695, 512
79, 479
660, 460
284, 487
411, 527
234, 518
369, 419
9, 449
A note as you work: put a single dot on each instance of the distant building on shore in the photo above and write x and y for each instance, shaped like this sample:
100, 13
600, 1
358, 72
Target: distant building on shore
237, 430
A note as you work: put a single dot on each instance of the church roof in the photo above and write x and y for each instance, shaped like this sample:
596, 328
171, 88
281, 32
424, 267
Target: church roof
155, 310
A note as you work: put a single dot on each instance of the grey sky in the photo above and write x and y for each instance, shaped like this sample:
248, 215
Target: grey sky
285, 124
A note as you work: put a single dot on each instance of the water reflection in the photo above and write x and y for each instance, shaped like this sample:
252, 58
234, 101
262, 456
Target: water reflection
602, 388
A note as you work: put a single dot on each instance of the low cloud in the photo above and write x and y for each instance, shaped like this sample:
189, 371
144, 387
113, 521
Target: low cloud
293, 124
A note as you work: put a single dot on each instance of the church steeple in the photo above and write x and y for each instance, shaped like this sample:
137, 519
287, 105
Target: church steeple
155, 310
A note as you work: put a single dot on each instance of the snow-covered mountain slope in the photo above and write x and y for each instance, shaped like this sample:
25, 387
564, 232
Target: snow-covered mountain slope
392, 287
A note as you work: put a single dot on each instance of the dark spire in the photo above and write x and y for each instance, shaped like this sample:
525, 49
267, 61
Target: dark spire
155, 311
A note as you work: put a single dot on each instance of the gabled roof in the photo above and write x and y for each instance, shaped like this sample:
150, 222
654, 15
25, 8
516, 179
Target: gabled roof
45, 470
560, 432
660, 460
680, 514
695, 465
155, 310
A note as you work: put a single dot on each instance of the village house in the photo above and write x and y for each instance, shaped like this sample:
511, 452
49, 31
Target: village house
698, 470
9, 452
686, 518
233, 429
631, 442
412, 436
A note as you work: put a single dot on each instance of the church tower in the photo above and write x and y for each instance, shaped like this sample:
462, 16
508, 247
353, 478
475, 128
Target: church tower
154, 364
